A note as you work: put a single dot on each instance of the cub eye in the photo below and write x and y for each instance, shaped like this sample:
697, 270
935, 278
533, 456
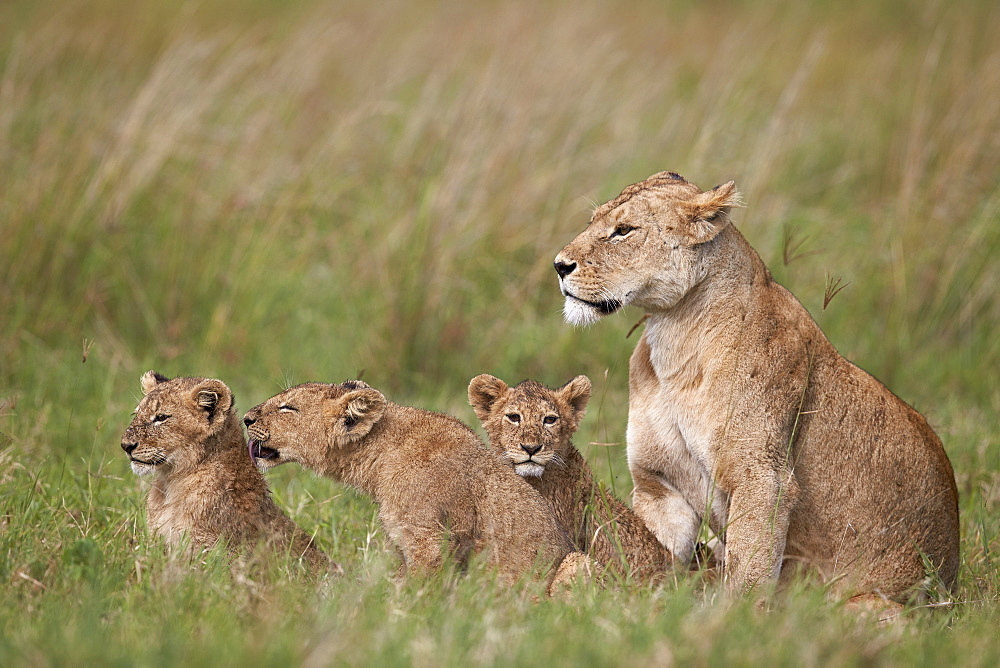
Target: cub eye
288, 409
550, 419
514, 417
158, 418
621, 231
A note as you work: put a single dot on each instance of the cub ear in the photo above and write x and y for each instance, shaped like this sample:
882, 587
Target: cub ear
213, 397
484, 390
354, 414
708, 212
151, 379
576, 394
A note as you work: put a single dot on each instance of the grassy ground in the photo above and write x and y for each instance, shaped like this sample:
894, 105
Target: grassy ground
270, 193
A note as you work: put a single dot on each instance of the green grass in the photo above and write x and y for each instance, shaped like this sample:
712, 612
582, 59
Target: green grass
270, 193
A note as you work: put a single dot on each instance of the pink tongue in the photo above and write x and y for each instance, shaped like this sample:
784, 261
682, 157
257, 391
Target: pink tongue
250, 445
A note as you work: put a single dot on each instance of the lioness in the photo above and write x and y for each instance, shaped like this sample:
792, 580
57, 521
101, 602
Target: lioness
187, 435
740, 409
532, 426
439, 491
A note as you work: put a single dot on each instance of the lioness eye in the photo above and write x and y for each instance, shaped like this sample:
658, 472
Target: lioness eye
621, 231
514, 417
159, 417
286, 407
550, 419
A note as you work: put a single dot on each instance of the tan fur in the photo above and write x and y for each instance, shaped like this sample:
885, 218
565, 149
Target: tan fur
532, 427
742, 412
187, 436
439, 490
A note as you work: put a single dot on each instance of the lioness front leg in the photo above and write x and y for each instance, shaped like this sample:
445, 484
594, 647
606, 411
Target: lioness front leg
666, 513
757, 529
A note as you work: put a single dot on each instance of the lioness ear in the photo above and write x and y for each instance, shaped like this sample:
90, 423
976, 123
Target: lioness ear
576, 393
354, 414
484, 390
354, 385
151, 379
708, 212
213, 397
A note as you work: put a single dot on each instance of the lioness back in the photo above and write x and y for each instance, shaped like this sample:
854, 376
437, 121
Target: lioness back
532, 426
205, 488
743, 414
435, 483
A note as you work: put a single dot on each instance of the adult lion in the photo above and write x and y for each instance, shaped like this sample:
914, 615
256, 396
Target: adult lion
741, 412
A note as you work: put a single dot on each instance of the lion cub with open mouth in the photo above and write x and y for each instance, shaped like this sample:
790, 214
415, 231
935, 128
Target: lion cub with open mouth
532, 426
439, 491
187, 435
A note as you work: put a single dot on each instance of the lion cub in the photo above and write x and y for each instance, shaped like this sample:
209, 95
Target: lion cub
186, 433
437, 488
532, 426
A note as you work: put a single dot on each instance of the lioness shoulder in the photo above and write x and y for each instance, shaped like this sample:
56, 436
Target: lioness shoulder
532, 427
187, 436
743, 414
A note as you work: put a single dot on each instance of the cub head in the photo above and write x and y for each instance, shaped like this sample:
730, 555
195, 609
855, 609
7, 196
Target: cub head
177, 422
529, 424
643, 247
309, 423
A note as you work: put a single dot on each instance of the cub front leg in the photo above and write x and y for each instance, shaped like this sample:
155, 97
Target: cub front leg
424, 549
757, 528
422, 542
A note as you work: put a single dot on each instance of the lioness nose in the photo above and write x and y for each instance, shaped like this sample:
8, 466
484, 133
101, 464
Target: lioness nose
248, 420
530, 449
564, 268
129, 447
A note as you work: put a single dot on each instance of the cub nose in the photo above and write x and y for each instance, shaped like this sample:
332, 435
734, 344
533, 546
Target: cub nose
248, 420
564, 268
530, 449
129, 447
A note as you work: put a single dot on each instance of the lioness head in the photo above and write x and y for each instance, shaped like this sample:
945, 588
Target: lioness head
307, 423
176, 422
641, 248
529, 424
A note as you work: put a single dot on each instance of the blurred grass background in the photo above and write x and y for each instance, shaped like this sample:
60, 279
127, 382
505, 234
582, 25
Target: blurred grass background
274, 192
